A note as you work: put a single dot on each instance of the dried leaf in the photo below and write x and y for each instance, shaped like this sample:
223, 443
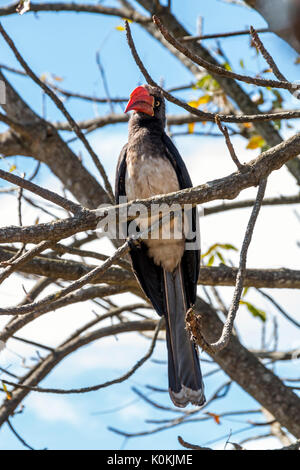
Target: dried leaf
57, 79
12, 168
120, 28
256, 141
191, 127
202, 100
215, 416
23, 6
8, 394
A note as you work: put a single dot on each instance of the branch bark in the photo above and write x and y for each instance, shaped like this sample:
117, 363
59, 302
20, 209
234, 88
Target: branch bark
245, 369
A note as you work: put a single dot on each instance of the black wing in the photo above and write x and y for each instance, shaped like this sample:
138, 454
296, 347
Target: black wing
149, 275
191, 258
120, 175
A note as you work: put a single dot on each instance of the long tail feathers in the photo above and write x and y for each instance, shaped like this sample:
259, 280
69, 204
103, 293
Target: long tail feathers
185, 379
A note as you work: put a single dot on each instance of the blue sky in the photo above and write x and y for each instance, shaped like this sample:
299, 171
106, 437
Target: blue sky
65, 45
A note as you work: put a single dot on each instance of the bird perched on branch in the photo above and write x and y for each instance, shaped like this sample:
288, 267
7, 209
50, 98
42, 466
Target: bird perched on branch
149, 164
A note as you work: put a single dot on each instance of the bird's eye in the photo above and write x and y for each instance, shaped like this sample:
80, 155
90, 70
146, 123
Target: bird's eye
157, 103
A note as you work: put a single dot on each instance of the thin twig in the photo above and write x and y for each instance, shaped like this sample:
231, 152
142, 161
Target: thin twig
274, 201
206, 116
266, 55
33, 343
17, 263
187, 445
75, 285
44, 193
228, 326
216, 69
95, 388
104, 80
279, 308
233, 155
18, 435
221, 35
62, 108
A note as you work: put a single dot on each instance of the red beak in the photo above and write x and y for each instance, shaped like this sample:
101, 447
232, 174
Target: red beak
141, 101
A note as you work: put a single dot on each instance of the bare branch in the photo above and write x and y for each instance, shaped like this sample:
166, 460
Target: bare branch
203, 37
206, 116
279, 308
215, 69
225, 188
61, 107
78, 7
274, 201
37, 306
224, 131
266, 55
187, 445
24, 443
44, 193
94, 388
23, 259
227, 330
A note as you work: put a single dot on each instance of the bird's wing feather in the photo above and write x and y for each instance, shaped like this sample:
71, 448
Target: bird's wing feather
120, 175
191, 258
175, 158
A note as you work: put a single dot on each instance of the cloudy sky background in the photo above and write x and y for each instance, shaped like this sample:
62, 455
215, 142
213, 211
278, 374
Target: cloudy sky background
65, 45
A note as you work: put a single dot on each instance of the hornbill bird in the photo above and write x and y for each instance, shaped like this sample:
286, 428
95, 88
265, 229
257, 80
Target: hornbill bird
149, 164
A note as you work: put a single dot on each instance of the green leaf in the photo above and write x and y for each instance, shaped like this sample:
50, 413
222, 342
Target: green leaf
219, 255
228, 246
256, 312
211, 260
201, 83
245, 291
277, 124
227, 66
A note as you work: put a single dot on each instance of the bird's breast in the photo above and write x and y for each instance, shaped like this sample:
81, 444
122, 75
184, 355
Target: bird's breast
148, 176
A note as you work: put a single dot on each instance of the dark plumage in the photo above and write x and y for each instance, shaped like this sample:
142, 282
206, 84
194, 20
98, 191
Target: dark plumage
148, 165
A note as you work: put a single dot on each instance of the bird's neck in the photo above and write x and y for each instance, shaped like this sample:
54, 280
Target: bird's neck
143, 126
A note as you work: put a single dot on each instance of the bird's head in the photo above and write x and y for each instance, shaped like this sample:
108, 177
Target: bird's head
148, 104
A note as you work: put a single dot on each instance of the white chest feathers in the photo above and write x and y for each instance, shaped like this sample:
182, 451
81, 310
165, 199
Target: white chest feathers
148, 176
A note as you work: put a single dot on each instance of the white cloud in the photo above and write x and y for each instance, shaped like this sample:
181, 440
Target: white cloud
52, 408
112, 353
